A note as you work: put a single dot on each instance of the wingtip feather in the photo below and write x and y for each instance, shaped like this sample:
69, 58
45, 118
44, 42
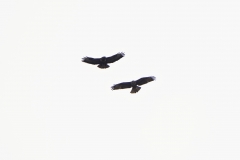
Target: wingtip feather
112, 88
122, 53
154, 78
83, 59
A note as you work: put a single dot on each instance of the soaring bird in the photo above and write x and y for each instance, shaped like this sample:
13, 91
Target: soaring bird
103, 62
134, 84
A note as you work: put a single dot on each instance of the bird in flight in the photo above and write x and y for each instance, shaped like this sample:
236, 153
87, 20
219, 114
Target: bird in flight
134, 84
103, 62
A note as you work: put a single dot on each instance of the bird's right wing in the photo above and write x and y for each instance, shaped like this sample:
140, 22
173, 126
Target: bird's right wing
115, 57
145, 80
121, 85
91, 60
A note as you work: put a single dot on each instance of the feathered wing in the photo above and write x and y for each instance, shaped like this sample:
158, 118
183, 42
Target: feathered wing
121, 85
115, 57
91, 60
145, 80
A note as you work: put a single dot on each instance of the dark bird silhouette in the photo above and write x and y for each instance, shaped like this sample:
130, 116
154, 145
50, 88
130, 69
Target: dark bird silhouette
134, 84
103, 62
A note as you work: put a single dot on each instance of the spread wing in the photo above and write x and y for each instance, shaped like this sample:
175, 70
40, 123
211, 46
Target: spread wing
145, 80
91, 60
115, 57
121, 85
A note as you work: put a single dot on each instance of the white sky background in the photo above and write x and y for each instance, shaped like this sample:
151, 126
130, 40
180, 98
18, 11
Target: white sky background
54, 107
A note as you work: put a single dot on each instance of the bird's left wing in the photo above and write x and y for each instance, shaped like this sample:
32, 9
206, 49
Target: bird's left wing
145, 80
115, 57
91, 60
121, 85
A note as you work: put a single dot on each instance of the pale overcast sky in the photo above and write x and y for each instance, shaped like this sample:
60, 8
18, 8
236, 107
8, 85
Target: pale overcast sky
55, 107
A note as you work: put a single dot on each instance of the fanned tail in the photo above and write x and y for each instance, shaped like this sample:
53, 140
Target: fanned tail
103, 66
135, 89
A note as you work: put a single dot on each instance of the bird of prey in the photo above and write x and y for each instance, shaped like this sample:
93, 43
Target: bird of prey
134, 84
103, 62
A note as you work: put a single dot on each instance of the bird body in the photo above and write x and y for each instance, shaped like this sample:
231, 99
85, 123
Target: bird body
135, 88
103, 62
133, 84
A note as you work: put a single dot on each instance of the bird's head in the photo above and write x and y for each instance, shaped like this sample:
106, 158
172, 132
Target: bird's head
103, 59
133, 83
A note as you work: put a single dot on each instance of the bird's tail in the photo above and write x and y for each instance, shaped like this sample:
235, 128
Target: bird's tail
135, 89
103, 66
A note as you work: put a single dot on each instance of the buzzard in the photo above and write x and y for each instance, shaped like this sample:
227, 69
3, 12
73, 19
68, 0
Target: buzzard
103, 62
134, 84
